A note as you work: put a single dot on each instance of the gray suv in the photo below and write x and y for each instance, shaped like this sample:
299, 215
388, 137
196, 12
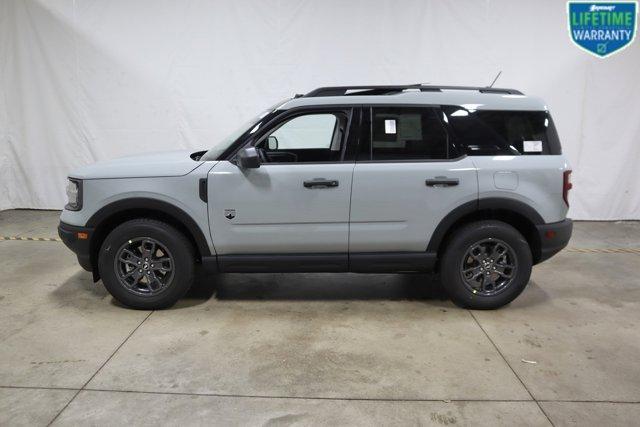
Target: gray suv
466, 181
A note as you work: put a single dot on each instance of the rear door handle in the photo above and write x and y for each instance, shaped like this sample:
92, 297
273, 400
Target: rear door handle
442, 181
320, 183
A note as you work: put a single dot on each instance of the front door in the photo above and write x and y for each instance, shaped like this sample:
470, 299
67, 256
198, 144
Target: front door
297, 202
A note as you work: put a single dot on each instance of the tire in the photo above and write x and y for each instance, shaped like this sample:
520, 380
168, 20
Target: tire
475, 265
163, 255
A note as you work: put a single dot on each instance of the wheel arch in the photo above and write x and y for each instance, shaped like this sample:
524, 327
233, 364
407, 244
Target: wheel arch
110, 216
519, 215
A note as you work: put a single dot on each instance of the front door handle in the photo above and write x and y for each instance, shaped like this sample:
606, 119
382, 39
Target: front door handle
320, 183
442, 181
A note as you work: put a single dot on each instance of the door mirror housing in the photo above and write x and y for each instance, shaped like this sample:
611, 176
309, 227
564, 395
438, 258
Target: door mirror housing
248, 158
272, 143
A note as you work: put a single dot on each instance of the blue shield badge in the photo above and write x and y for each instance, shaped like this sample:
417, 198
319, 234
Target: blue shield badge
602, 28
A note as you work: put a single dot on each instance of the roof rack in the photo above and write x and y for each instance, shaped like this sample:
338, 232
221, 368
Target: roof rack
388, 90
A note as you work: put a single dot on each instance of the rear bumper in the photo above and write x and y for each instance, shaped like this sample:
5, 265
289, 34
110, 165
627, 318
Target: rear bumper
81, 247
553, 237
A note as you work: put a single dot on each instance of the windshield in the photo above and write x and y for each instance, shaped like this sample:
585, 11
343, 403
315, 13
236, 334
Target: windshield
249, 126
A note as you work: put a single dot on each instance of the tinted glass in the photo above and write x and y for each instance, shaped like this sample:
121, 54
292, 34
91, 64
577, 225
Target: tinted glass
407, 133
502, 132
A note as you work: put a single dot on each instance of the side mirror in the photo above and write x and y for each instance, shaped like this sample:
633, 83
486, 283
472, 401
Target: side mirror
272, 142
248, 158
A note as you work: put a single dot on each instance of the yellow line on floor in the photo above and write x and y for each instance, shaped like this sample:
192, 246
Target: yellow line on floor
605, 250
31, 239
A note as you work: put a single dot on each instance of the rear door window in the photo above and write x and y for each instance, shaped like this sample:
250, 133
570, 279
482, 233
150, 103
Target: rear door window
407, 133
484, 132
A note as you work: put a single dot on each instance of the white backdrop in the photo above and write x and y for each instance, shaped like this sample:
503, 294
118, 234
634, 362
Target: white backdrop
83, 81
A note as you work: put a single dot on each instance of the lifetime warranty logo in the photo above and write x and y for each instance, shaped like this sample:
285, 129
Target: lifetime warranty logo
602, 28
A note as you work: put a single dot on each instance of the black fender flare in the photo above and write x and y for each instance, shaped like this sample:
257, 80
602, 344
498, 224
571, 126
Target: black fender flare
488, 203
513, 205
150, 204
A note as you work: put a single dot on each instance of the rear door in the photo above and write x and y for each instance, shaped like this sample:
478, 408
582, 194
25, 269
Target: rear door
406, 180
298, 200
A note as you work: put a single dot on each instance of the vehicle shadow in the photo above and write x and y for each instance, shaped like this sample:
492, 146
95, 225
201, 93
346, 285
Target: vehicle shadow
333, 287
318, 287
80, 291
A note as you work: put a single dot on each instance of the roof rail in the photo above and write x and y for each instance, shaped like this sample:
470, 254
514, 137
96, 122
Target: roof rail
387, 90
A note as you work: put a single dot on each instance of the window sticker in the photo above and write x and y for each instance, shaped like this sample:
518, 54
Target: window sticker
532, 146
390, 126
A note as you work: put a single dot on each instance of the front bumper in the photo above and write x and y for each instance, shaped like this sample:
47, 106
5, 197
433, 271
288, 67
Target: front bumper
553, 237
78, 239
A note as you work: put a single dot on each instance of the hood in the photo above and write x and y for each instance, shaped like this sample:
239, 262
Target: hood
167, 163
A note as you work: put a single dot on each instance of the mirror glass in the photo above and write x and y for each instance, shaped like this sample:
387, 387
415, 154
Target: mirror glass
272, 142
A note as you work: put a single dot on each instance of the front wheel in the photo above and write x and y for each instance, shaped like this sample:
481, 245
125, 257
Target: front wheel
486, 265
146, 264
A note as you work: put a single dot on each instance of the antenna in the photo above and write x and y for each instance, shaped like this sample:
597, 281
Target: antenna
496, 79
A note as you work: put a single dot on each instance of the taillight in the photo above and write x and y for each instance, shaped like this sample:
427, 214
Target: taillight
566, 186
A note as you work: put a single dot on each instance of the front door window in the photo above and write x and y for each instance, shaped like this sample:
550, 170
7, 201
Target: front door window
317, 137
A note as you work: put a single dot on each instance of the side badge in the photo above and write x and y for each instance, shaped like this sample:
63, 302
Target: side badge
229, 213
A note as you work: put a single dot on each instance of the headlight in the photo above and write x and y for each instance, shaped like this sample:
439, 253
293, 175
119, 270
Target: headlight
74, 195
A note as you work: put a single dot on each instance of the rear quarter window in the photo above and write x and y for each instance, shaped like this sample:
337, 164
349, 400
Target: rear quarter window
489, 132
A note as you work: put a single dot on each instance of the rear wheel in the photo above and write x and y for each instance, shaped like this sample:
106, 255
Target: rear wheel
486, 265
146, 264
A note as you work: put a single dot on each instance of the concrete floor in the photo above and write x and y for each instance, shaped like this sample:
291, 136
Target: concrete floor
282, 349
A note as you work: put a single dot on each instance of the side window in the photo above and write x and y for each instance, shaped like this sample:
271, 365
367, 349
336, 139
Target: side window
314, 137
305, 132
481, 132
407, 133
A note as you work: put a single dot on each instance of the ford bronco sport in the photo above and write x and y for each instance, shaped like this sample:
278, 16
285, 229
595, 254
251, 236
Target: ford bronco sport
466, 181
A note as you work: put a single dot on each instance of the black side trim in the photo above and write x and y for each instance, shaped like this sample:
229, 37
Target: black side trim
451, 160
511, 205
202, 189
153, 205
378, 262
391, 262
283, 263
554, 237
210, 264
